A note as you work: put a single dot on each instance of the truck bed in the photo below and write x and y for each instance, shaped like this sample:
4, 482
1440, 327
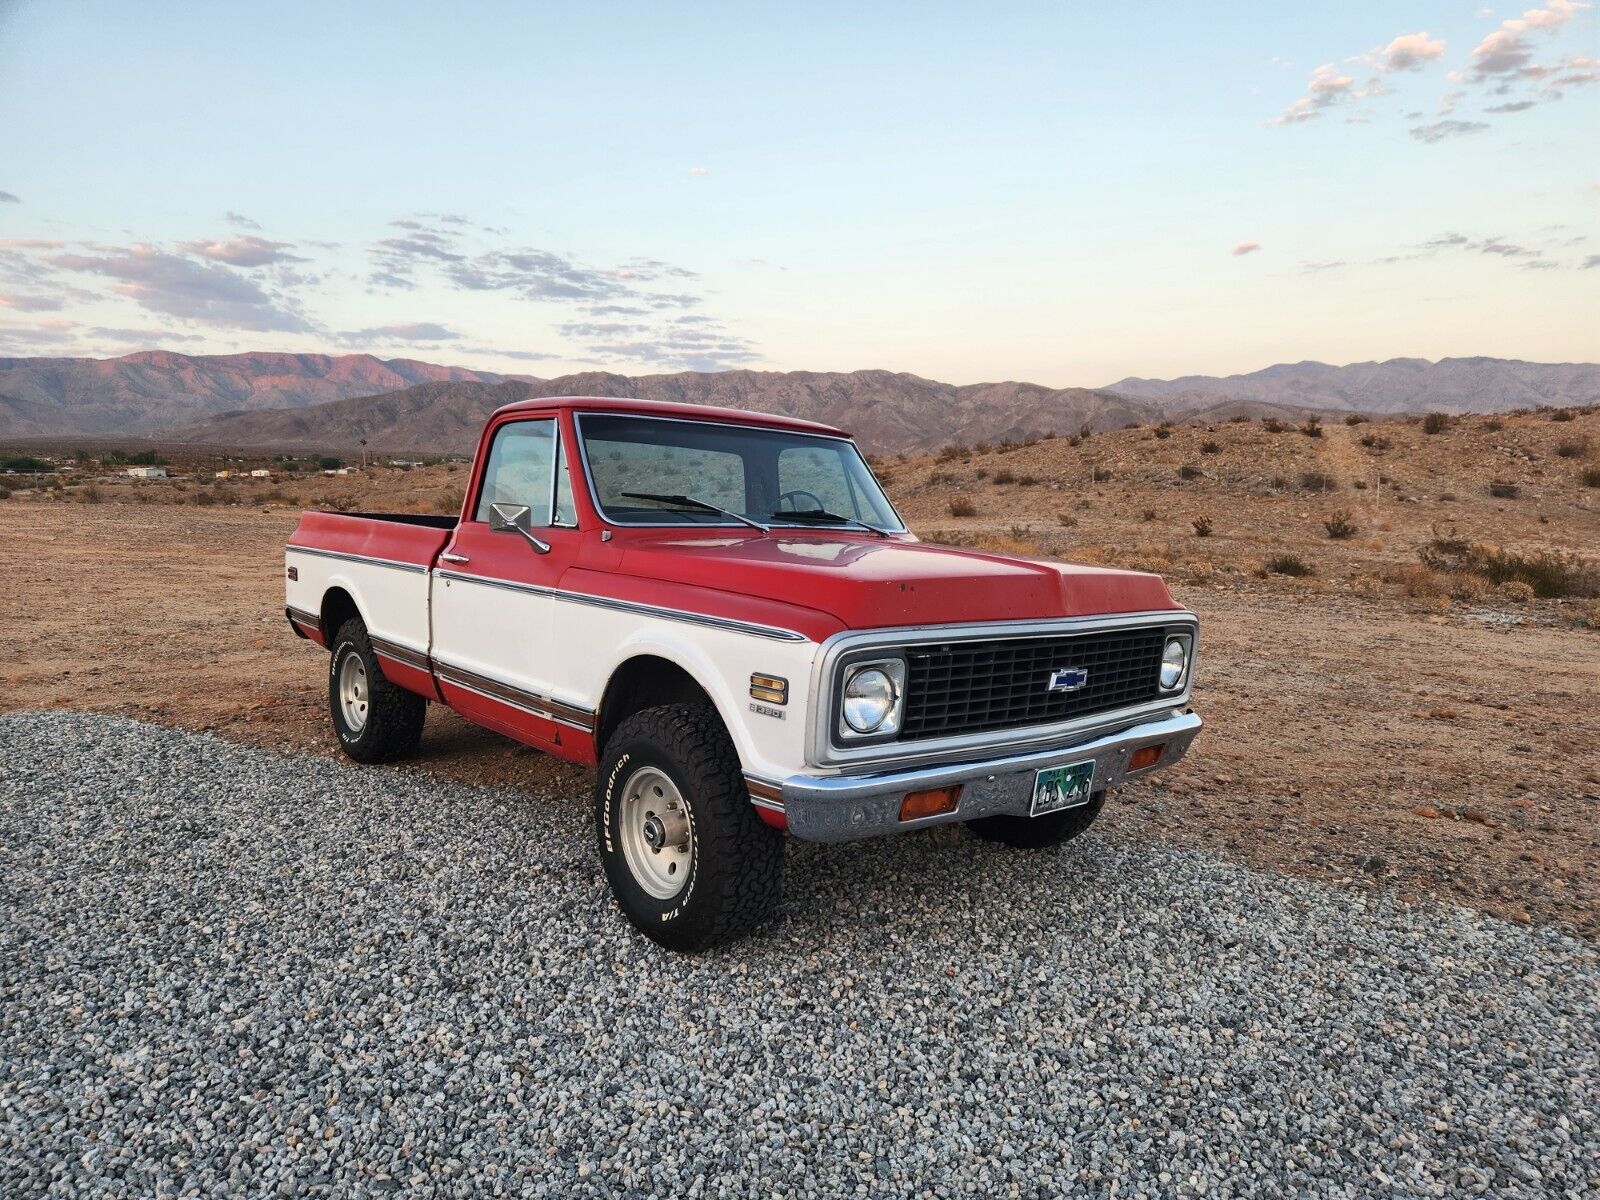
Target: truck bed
413, 539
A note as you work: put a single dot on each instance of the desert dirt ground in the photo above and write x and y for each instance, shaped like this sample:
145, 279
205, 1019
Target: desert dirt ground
1374, 723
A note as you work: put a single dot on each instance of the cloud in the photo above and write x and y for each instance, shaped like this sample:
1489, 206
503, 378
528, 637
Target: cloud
176, 285
43, 333
1244, 248
1327, 87
244, 251
1408, 52
10, 198
1498, 247
1440, 130
520, 355
1590, 263
1514, 106
699, 171
410, 331
1554, 15
143, 337
239, 220
30, 303
27, 243
1506, 55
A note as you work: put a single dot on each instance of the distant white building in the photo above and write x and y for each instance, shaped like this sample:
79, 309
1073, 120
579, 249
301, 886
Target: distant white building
260, 473
224, 475
148, 472
336, 471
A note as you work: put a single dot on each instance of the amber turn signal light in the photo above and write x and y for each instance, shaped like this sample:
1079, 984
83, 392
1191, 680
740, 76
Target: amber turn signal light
930, 803
1145, 756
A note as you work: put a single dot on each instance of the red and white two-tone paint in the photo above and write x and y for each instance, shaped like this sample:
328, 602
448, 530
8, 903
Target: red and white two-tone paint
723, 613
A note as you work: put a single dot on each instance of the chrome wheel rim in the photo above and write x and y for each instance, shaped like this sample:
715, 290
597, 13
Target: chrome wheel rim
353, 693
657, 833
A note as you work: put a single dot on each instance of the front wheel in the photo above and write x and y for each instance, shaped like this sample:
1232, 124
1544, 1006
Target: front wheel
1039, 833
688, 860
376, 720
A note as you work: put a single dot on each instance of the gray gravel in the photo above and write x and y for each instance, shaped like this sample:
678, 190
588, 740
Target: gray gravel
231, 973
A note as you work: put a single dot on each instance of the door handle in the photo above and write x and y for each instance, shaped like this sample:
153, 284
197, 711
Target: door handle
448, 557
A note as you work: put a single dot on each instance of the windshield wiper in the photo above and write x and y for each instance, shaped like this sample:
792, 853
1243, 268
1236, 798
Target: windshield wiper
691, 502
832, 518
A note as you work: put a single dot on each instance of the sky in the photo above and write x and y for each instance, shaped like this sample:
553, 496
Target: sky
1062, 193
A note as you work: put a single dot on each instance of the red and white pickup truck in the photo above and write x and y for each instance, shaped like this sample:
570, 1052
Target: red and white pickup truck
723, 612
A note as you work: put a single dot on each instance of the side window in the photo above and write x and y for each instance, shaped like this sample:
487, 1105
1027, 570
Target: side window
814, 477
521, 459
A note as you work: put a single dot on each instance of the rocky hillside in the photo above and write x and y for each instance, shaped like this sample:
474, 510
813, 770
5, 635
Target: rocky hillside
158, 389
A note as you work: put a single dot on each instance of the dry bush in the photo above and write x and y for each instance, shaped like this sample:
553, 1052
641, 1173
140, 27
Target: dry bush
1150, 514
1435, 422
1164, 430
981, 473
999, 543
963, 508
1202, 526
1273, 425
1003, 477
1340, 525
1591, 477
1289, 564
450, 500
5, 493
1420, 582
1312, 428
1551, 574
1503, 489
203, 499
1354, 419
1027, 481
1593, 619
953, 452
1209, 447
1580, 447
1494, 425
90, 495
1318, 481
1373, 442
1563, 414
935, 477
1066, 520
1191, 471
1516, 591
1100, 474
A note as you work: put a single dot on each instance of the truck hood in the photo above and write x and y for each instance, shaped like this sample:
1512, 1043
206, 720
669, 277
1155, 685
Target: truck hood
869, 584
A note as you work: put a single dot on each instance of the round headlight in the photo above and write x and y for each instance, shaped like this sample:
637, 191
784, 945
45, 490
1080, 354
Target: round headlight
1173, 661
868, 700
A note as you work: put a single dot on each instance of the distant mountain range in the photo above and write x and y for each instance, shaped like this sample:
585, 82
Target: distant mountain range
315, 401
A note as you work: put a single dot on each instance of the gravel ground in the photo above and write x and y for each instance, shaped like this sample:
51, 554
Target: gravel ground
230, 973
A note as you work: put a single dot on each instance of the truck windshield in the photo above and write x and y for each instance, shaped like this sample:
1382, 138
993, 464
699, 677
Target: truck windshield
644, 469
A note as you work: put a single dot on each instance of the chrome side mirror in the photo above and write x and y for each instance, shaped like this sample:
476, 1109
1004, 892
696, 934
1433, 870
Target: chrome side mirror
515, 518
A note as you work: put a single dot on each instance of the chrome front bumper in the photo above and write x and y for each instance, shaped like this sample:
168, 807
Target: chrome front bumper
841, 808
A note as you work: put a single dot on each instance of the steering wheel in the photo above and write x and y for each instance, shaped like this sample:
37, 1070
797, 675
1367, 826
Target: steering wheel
793, 499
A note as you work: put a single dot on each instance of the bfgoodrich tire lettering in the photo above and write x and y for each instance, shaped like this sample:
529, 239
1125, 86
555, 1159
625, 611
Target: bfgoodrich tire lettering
1038, 833
735, 862
388, 726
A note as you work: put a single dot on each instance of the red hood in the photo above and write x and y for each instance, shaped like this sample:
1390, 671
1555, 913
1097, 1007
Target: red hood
868, 583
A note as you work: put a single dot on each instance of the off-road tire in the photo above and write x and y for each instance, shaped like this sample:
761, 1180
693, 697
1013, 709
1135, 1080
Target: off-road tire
393, 728
1039, 833
736, 873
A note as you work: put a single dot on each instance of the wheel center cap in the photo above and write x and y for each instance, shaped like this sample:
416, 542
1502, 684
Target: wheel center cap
655, 833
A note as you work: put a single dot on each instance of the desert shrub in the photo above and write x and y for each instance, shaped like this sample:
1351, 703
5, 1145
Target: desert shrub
1202, 526
1150, 514
1084, 431
1420, 582
1066, 520
1360, 485
1318, 481
1435, 422
1340, 525
1516, 591
451, 499
1190, 471
1502, 489
963, 508
1278, 483
945, 477
1494, 424
1241, 419
1163, 430
1373, 442
1551, 574
1312, 427
1591, 477
329, 463
91, 495
1027, 481
1002, 477
1273, 425
1209, 447
1563, 414
5, 493
1100, 474
952, 452
1019, 533
1575, 448
1289, 564
1447, 497
1354, 419
981, 473
203, 499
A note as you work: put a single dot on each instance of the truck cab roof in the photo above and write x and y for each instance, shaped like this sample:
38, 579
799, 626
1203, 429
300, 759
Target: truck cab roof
664, 408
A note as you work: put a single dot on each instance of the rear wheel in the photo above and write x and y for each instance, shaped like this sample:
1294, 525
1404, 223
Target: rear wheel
1038, 833
688, 860
376, 720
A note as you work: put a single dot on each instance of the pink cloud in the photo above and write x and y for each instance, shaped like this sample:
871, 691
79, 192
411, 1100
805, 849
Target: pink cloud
1245, 248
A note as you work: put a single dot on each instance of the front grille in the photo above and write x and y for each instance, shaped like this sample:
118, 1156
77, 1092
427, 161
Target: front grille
973, 687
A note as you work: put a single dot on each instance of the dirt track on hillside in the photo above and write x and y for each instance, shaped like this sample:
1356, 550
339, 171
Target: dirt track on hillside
1439, 755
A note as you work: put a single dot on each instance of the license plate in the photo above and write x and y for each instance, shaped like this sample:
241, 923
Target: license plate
1055, 788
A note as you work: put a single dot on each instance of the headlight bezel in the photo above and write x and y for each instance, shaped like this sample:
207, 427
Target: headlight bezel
1186, 643
893, 668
